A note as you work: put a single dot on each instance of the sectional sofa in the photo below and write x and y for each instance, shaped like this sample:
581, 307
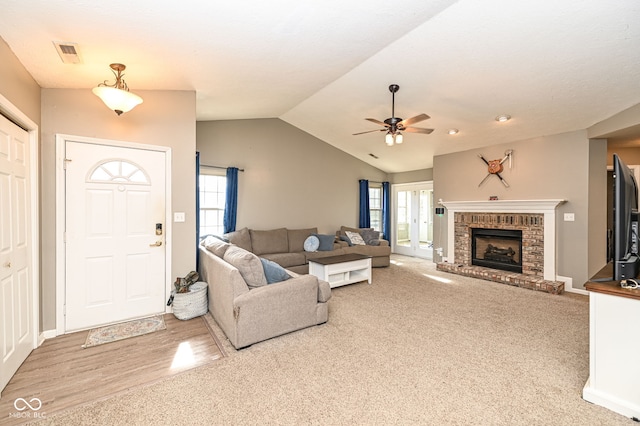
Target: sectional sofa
286, 247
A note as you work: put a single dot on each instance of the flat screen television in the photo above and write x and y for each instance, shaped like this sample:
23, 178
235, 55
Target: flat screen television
626, 262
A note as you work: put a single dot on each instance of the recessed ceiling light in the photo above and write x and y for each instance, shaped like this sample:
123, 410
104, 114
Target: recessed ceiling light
502, 118
453, 131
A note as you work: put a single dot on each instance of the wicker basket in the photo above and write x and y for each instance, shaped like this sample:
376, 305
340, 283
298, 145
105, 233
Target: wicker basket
192, 304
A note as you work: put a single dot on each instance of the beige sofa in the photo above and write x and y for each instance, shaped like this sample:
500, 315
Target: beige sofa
286, 246
248, 309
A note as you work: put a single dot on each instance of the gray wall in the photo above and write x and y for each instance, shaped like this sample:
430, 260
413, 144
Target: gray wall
17, 85
553, 167
423, 175
166, 118
291, 178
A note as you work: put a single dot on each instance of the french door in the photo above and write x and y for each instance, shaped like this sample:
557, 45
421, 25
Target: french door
413, 219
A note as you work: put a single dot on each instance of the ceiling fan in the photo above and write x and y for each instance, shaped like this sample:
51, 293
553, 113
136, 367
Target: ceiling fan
394, 125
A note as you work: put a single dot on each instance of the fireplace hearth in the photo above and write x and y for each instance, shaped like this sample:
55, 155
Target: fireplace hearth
497, 249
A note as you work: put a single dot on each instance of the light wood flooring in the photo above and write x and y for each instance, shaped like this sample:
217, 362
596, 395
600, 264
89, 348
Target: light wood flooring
62, 374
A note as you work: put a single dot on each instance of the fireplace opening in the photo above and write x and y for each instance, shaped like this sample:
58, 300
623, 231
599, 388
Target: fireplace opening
497, 249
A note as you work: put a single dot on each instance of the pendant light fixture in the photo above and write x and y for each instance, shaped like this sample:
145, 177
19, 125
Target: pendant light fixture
117, 96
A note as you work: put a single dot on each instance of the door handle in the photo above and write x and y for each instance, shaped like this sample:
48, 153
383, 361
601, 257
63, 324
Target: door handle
7, 265
156, 244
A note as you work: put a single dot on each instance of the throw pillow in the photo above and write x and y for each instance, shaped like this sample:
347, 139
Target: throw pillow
273, 272
326, 242
311, 243
216, 246
355, 238
248, 264
346, 239
370, 237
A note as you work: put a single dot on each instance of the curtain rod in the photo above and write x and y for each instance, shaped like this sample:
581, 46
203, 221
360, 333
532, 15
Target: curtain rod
218, 167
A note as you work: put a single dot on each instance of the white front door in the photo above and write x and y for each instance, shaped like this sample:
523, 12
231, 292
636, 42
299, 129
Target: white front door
115, 245
413, 213
16, 289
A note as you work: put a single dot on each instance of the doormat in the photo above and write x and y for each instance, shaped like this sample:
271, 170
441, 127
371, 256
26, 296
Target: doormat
125, 330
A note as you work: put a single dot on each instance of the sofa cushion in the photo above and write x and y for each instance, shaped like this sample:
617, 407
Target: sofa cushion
248, 264
287, 260
241, 238
273, 272
297, 237
216, 246
326, 242
344, 229
271, 241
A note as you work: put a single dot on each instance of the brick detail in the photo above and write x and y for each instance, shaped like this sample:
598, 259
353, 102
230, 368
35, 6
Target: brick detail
504, 277
532, 227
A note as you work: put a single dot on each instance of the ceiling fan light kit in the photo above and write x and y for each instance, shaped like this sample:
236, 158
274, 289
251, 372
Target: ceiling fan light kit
394, 125
117, 96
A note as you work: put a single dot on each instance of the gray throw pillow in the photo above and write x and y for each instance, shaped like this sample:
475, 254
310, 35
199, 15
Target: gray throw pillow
370, 237
248, 264
216, 246
326, 242
273, 272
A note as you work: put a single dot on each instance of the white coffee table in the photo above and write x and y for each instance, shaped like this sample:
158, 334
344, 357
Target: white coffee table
342, 269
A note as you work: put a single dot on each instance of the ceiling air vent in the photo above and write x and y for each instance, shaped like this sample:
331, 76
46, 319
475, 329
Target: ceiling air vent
68, 52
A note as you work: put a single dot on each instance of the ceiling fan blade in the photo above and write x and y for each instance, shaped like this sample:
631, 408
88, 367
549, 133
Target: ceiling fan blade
370, 131
417, 130
373, 120
410, 121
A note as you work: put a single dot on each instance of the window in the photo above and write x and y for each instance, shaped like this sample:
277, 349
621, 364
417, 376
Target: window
212, 198
375, 207
118, 171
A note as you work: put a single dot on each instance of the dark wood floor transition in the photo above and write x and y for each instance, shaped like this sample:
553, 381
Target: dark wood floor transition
61, 374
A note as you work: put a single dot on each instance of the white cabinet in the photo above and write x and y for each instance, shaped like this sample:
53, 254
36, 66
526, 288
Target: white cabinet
614, 348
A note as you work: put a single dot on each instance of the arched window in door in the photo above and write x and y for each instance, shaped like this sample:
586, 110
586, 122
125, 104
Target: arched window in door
119, 171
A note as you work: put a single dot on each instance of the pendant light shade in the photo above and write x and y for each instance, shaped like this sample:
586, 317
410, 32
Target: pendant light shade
117, 96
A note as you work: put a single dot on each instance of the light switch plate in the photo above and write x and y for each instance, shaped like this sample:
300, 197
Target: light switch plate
178, 217
569, 217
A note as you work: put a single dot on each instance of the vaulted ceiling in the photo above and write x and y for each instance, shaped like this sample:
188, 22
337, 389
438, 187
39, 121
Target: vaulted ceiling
554, 66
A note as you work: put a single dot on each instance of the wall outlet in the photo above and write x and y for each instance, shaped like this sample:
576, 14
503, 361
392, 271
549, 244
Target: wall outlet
569, 217
439, 251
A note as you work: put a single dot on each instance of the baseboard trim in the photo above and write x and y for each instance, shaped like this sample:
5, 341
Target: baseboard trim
568, 286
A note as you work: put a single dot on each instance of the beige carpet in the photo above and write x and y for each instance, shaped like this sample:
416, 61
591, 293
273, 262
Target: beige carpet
417, 346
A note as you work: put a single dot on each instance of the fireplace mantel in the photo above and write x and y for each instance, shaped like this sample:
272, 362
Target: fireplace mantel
545, 207
503, 206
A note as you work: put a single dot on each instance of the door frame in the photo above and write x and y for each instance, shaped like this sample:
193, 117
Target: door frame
61, 283
394, 210
13, 113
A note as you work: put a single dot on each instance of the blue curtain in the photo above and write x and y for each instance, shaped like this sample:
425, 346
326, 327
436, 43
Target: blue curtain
197, 209
365, 216
386, 211
231, 202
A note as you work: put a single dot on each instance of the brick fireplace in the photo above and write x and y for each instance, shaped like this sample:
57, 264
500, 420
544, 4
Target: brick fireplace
535, 219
